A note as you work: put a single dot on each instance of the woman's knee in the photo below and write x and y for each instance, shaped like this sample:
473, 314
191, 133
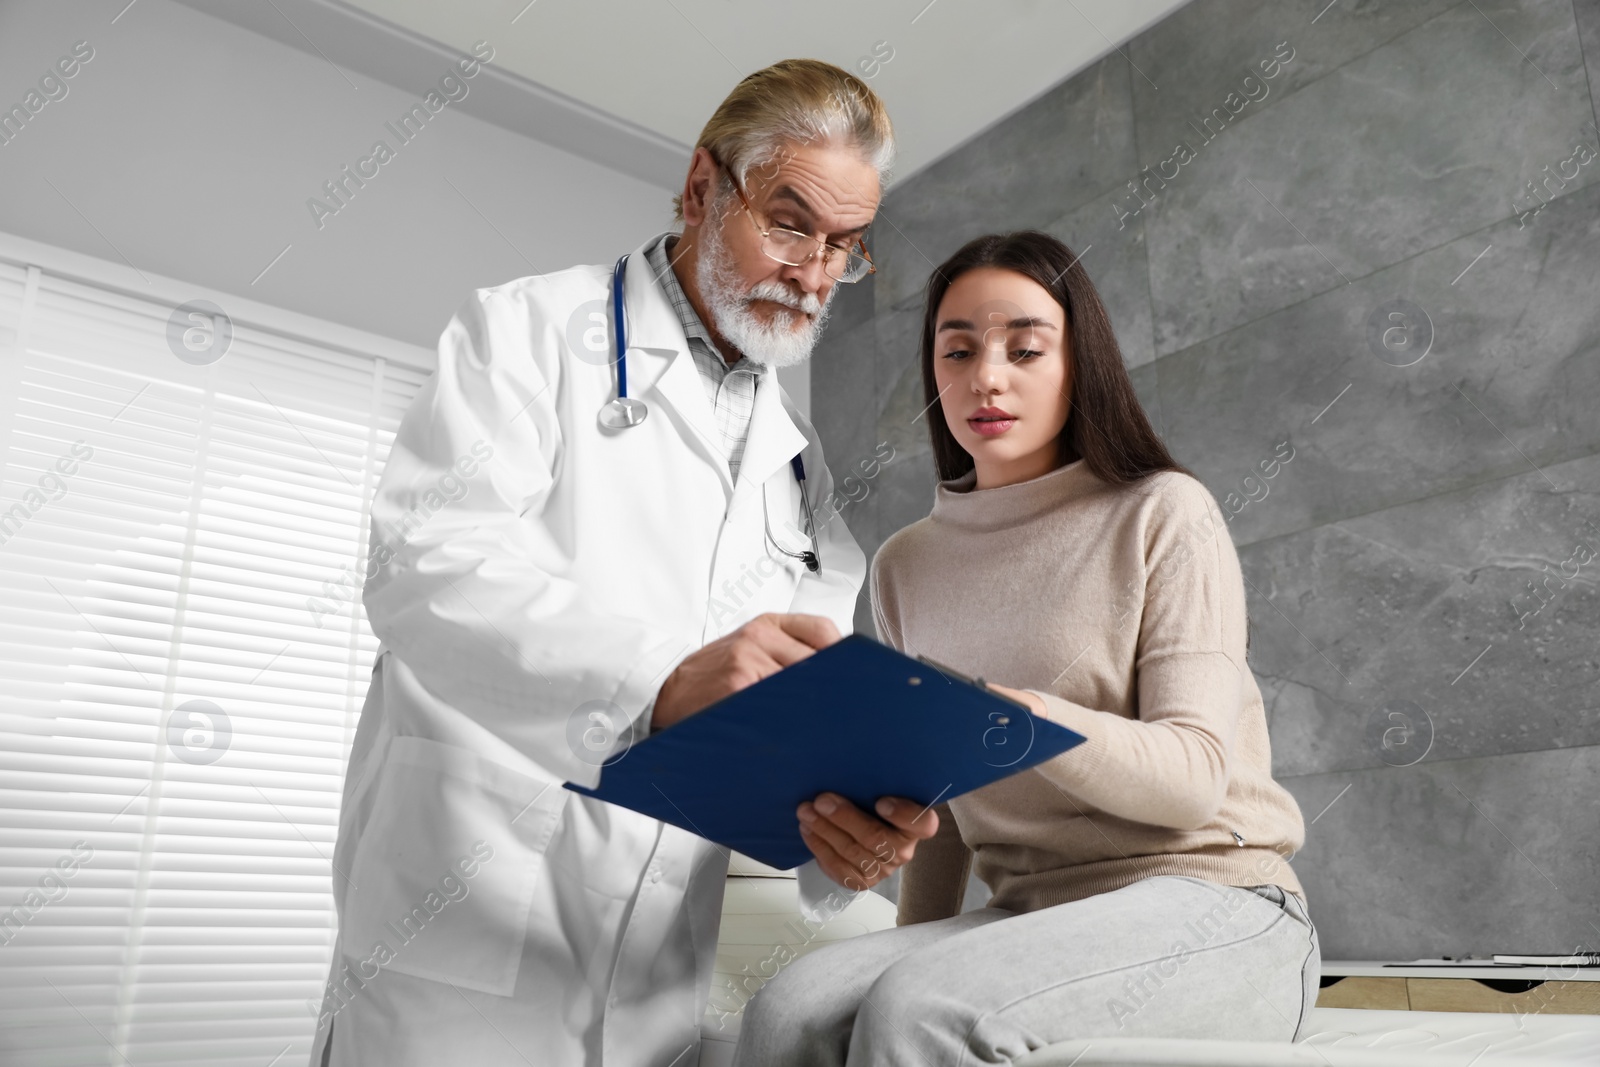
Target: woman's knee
905, 989
806, 986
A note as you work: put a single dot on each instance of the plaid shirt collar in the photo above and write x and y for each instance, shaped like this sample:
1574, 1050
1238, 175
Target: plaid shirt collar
693, 328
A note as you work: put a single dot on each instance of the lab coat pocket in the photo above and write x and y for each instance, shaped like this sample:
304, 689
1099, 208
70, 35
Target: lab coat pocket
443, 874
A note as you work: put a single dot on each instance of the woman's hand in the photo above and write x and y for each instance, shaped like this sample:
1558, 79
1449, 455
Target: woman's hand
856, 850
1035, 704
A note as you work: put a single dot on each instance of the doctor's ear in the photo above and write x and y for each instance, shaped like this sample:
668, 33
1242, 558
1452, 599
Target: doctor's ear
700, 189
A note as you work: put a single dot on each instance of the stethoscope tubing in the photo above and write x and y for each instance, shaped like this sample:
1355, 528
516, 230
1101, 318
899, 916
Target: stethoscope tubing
812, 558
618, 316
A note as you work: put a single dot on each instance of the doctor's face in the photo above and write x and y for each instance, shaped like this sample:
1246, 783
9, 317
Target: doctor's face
770, 311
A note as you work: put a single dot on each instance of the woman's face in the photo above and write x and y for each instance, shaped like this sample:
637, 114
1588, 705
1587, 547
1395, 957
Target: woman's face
1000, 348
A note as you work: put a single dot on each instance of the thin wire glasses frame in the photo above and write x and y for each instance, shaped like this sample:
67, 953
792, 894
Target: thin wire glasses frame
779, 243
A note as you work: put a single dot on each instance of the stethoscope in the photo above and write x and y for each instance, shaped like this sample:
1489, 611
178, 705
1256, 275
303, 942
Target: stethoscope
626, 411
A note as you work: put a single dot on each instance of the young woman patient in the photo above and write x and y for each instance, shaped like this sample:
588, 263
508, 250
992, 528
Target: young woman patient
1139, 884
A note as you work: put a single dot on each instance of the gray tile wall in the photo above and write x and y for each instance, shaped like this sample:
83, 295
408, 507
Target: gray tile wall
1418, 556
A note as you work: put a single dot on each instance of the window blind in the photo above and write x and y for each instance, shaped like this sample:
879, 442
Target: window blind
184, 660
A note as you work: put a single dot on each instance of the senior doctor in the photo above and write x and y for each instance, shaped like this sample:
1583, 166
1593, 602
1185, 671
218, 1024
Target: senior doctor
596, 580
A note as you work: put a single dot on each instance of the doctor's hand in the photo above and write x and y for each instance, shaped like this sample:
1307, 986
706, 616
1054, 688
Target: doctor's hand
764, 645
856, 850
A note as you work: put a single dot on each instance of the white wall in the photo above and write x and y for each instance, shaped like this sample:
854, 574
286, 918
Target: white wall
188, 146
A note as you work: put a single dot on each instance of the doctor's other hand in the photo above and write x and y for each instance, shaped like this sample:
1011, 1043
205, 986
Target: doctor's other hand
764, 645
856, 850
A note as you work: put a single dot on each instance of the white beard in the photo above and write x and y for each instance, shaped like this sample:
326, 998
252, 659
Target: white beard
780, 344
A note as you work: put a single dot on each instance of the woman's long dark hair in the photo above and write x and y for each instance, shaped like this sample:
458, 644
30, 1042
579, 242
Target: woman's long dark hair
1106, 425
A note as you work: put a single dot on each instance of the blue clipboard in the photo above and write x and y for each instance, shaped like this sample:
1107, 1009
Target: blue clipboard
857, 718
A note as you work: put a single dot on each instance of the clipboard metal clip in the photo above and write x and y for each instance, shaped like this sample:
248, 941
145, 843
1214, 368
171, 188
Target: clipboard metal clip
978, 682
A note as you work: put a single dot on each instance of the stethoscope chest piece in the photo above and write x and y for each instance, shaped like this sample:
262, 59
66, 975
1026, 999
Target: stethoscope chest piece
623, 412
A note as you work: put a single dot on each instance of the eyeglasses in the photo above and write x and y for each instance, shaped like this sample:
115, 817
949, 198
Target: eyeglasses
795, 249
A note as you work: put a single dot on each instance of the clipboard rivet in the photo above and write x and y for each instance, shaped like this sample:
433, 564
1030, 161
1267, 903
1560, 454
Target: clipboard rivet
913, 680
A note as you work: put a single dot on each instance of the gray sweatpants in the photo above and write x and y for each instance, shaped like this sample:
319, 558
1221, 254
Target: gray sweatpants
1169, 956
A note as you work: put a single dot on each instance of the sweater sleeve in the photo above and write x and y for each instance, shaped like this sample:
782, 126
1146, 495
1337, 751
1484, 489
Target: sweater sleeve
1169, 766
934, 882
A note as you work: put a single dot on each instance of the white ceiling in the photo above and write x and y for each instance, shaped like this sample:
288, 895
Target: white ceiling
635, 80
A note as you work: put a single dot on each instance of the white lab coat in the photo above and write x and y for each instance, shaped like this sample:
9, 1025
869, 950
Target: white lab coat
487, 915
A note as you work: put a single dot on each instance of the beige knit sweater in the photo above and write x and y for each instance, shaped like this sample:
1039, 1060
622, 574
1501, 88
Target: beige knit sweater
1123, 607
